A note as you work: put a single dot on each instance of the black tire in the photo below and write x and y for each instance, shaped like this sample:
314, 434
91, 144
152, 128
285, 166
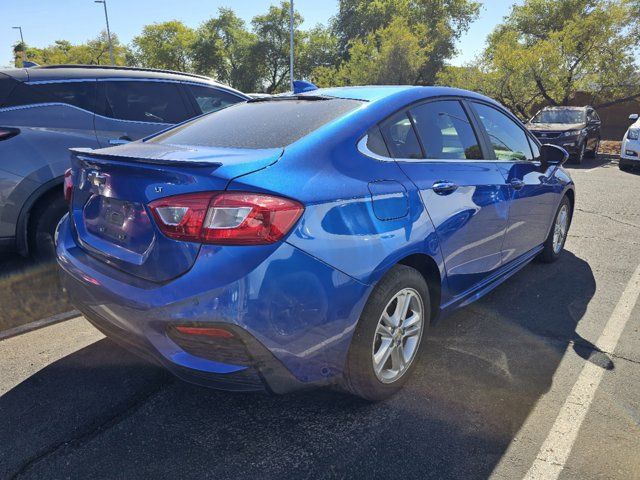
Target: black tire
578, 157
360, 377
549, 254
624, 167
44, 219
594, 152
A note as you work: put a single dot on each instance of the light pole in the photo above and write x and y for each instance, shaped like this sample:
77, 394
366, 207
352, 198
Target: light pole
24, 45
106, 17
291, 43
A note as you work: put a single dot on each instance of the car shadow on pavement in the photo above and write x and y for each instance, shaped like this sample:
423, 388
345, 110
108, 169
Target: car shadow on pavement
103, 413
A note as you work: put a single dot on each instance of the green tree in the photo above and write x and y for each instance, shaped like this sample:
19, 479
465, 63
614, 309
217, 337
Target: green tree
166, 45
316, 49
92, 52
443, 20
391, 55
272, 31
548, 50
227, 51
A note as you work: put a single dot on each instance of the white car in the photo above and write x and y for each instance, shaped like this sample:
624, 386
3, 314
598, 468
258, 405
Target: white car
630, 151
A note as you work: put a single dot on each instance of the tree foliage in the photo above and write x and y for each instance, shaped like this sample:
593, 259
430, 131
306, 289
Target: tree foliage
548, 50
165, 45
93, 52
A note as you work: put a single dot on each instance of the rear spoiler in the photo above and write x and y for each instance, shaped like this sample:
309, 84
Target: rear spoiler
125, 156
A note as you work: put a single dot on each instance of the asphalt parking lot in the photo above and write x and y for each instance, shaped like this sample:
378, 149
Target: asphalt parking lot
487, 400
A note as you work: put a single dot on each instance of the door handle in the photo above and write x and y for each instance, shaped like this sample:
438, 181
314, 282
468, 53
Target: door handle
444, 187
120, 141
516, 183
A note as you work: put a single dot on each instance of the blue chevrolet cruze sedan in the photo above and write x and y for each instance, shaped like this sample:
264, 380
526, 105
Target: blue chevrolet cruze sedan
308, 239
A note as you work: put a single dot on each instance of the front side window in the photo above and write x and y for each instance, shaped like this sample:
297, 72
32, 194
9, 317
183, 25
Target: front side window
509, 141
400, 137
154, 102
445, 131
79, 94
211, 99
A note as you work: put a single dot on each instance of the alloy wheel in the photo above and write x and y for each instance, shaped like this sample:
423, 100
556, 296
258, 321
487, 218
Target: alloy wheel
560, 229
397, 335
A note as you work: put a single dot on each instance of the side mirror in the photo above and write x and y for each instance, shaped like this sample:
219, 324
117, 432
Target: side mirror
633, 117
552, 155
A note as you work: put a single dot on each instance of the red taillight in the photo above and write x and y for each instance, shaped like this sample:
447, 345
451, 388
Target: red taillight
7, 133
226, 218
68, 185
206, 331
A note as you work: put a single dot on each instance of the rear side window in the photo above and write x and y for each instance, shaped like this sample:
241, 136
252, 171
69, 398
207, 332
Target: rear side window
154, 102
210, 99
509, 141
80, 94
400, 136
259, 124
7, 84
375, 142
445, 131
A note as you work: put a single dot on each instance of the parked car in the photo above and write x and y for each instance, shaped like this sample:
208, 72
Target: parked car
576, 129
630, 149
309, 239
46, 110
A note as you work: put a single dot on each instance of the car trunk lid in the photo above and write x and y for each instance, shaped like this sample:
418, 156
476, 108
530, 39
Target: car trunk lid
112, 188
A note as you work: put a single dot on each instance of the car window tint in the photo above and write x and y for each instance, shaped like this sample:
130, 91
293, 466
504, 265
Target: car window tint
79, 94
155, 102
7, 84
509, 141
375, 142
260, 124
211, 99
445, 131
400, 137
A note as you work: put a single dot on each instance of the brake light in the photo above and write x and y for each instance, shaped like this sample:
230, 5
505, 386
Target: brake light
206, 331
226, 218
68, 185
7, 133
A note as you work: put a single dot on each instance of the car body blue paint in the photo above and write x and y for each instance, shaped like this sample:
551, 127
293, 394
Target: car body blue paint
301, 298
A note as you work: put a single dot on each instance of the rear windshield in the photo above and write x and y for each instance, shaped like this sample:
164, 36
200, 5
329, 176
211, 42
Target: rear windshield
260, 124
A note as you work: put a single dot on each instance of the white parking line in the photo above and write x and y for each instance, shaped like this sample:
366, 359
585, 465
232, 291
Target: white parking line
555, 450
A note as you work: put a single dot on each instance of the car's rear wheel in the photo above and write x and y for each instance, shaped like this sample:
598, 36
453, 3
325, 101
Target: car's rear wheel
554, 243
42, 225
389, 335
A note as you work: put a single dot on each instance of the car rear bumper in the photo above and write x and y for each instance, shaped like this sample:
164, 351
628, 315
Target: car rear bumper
290, 315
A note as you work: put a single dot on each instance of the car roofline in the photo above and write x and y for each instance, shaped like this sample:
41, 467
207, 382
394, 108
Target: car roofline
123, 68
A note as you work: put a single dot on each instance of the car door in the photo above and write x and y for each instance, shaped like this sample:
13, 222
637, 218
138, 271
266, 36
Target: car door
133, 109
462, 189
532, 192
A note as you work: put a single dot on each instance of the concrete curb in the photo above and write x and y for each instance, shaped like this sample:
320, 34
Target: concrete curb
45, 322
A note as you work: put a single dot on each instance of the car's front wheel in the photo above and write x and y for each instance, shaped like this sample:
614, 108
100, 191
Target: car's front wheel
389, 335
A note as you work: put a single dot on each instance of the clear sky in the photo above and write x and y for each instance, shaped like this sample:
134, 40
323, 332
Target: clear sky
44, 21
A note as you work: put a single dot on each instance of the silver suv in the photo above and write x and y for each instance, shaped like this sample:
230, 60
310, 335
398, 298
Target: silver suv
46, 110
